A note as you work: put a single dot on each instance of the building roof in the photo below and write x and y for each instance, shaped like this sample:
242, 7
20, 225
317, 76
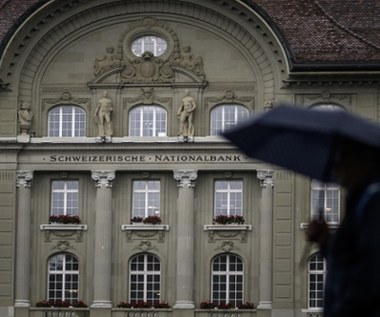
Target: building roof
314, 32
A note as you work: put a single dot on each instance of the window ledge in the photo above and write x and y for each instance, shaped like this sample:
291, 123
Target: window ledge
313, 312
63, 227
228, 227
59, 231
305, 225
145, 226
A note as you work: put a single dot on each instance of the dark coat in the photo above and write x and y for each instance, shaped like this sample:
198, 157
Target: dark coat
352, 285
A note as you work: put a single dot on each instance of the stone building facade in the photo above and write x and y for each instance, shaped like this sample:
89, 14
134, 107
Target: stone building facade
110, 113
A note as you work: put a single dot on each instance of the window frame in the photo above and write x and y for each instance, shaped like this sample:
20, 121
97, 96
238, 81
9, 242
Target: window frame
137, 129
156, 44
318, 292
229, 192
217, 126
145, 273
77, 117
316, 190
228, 273
149, 198
65, 200
65, 273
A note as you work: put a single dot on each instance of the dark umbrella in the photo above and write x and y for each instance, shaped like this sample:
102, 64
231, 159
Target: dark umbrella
302, 140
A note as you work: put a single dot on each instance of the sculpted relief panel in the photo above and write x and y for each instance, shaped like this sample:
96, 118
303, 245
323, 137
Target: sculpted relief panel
136, 61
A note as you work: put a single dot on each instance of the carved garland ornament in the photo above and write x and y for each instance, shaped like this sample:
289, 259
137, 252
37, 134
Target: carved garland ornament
148, 68
66, 99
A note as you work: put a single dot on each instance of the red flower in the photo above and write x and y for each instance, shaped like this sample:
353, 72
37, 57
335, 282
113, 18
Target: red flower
65, 219
228, 219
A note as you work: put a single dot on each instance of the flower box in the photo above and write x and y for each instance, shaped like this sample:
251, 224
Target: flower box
60, 303
154, 220
228, 219
142, 304
64, 219
224, 306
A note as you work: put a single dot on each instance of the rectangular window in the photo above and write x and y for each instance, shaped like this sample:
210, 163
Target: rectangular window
325, 198
228, 198
64, 197
146, 198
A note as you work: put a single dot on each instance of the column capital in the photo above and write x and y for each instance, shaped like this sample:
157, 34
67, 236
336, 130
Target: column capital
103, 178
185, 178
266, 178
24, 178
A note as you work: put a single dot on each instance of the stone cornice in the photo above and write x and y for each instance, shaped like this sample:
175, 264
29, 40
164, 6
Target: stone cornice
333, 81
188, 156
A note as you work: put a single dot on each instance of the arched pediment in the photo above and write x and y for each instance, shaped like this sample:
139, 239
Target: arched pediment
255, 41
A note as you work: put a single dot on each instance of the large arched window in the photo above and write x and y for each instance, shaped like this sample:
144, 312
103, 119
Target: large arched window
227, 280
147, 121
63, 278
327, 107
144, 278
67, 121
227, 116
317, 272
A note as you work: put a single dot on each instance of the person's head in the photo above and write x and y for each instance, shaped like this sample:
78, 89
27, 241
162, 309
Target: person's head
26, 106
356, 164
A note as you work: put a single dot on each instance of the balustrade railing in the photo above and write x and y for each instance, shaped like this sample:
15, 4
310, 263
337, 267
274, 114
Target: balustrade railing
59, 312
85, 312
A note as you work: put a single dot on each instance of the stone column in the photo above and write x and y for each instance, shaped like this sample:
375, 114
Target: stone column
23, 184
266, 218
103, 239
185, 239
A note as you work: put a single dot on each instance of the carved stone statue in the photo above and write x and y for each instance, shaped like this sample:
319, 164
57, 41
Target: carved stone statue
268, 104
102, 115
25, 117
191, 62
147, 95
187, 58
185, 115
108, 61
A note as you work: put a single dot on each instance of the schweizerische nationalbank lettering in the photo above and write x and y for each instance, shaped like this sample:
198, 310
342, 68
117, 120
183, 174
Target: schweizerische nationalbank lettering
138, 158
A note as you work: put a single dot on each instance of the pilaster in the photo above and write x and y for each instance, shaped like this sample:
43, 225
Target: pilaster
103, 238
24, 179
185, 239
266, 219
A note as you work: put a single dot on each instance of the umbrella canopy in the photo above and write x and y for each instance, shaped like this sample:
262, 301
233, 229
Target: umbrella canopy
302, 140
